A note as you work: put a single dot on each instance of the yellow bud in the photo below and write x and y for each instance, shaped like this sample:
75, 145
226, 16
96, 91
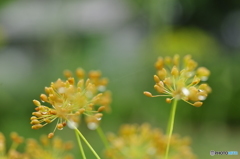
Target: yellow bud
180, 83
191, 65
81, 111
38, 114
36, 102
47, 90
43, 97
33, 118
156, 79
50, 135
94, 74
193, 94
34, 122
186, 59
159, 64
47, 120
97, 98
71, 80
203, 73
175, 71
80, 83
161, 84
60, 126
80, 73
205, 87
168, 60
52, 97
64, 124
98, 115
167, 81
162, 73
87, 82
53, 112
197, 104
176, 60
104, 81
90, 105
158, 88
37, 126
196, 80
67, 73
102, 108
168, 100
148, 94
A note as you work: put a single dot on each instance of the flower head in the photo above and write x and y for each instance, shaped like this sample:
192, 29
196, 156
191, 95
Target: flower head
69, 100
12, 153
54, 149
134, 141
33, 150
181, 80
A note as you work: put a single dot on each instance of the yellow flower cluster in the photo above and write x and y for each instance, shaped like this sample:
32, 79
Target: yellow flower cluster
12, 153
55, 150
181, 80
135, 142
69, 100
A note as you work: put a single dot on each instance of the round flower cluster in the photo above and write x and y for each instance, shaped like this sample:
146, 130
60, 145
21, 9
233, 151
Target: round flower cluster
142, 141
57, 149
54, 149
181, 80
69, 100
12, 152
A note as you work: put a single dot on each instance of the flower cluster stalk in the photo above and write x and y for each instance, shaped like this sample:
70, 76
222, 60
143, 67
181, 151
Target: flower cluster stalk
80, 145
102, 136
87, 143
170, 126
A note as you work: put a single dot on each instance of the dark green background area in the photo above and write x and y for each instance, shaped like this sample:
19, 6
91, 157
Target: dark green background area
126, 55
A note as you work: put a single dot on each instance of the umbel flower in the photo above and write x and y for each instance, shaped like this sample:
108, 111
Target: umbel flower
69, 100
12, 153
54, 149
135, 142
181, 80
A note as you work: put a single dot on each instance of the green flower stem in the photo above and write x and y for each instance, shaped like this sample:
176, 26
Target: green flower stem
102, 136
14, 146
80, 145
170, 126
81, 135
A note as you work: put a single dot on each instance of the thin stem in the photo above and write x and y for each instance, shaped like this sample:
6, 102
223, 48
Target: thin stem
102, 136
81, 135
80, 145
170, 126
161, 95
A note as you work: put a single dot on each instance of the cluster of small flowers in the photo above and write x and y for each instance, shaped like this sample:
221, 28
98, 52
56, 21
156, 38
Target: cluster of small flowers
69, 100
181, 82
55, 150
12, 152
134, 141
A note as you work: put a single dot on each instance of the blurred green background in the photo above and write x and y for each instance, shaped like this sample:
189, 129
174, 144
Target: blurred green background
123, 38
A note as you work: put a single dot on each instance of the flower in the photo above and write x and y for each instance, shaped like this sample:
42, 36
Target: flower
69, 100
134, 141
181, 81
33, 150
54, 149
12, 153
